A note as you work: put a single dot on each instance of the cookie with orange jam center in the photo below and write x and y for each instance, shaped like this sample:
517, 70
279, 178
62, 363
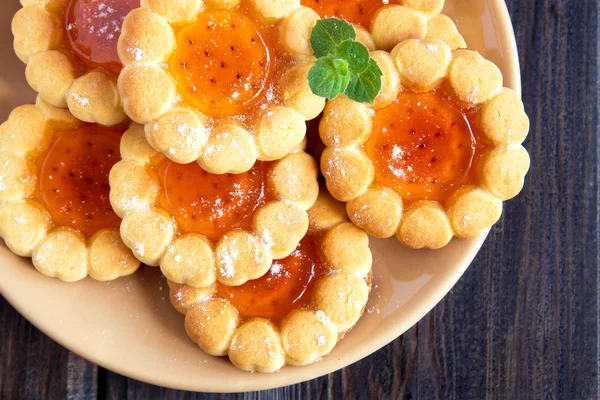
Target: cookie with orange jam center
287, 286
93, 28
437, 155
423, 146
223, 63
357, 12
73, 178
211, 204
195, 63
298, 311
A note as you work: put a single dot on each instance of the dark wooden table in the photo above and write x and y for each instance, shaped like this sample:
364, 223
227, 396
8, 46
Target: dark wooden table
521, 323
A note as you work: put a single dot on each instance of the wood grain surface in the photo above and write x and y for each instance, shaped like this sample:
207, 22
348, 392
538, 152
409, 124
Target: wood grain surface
523, 321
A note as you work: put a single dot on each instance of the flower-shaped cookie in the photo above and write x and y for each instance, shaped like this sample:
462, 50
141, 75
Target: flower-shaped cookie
391, 22
70, 48
216, 82
54, 204
201, 227
298, 311
435, 158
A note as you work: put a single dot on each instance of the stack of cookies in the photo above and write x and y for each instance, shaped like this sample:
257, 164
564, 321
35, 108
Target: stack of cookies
173, 133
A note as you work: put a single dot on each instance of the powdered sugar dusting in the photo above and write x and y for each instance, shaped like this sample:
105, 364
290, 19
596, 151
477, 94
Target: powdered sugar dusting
178, 295
82, 101
136, 53
276, 268
321, 340
131, 203
474, 94
267, 239
322, 317
228, 255
432, 47
397, 152
139, 249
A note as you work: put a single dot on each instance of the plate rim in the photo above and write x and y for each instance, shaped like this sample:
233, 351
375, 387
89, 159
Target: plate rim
513, 80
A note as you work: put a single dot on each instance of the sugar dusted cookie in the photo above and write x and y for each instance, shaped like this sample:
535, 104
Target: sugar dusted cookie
70, 48
54, 204
437, 157
202, 227
298, 311
210, 81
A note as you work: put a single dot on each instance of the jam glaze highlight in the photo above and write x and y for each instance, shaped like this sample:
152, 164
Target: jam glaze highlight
424, 146
224, 63
211, 204
287, 286
73, 178
92, 29
357, 12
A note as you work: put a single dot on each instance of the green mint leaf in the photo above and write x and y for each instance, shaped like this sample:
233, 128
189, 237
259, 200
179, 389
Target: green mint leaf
356, 54
328, 34
343, 65
365, 87
329, 77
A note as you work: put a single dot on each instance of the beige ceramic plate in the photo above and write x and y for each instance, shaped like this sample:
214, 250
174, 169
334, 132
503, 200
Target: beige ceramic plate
128, 326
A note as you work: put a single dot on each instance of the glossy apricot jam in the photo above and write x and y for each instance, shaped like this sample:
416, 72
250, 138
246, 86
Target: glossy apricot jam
423, 145
355, 11
223, 63
287, 286
93, 28
73, 178
211, 204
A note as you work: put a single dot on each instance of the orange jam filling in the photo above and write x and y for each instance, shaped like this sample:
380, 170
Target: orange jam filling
287, 286
93, 28
355, 11
211, 204
423, 146
223, 63
73, 178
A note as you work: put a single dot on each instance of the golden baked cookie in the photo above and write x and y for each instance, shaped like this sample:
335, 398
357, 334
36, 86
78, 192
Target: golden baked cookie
381, 24
298, 311
438, 157
54, 194
221, 83
202, 227
70, 48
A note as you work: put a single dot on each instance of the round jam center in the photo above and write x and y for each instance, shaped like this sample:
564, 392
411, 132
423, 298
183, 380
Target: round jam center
423, 146
93, 28
222, 63
210, 204
73, 178
354, 11
287, 286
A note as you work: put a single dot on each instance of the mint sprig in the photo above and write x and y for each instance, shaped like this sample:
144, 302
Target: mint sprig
365, 86
343, 66
328, 34
329, 77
